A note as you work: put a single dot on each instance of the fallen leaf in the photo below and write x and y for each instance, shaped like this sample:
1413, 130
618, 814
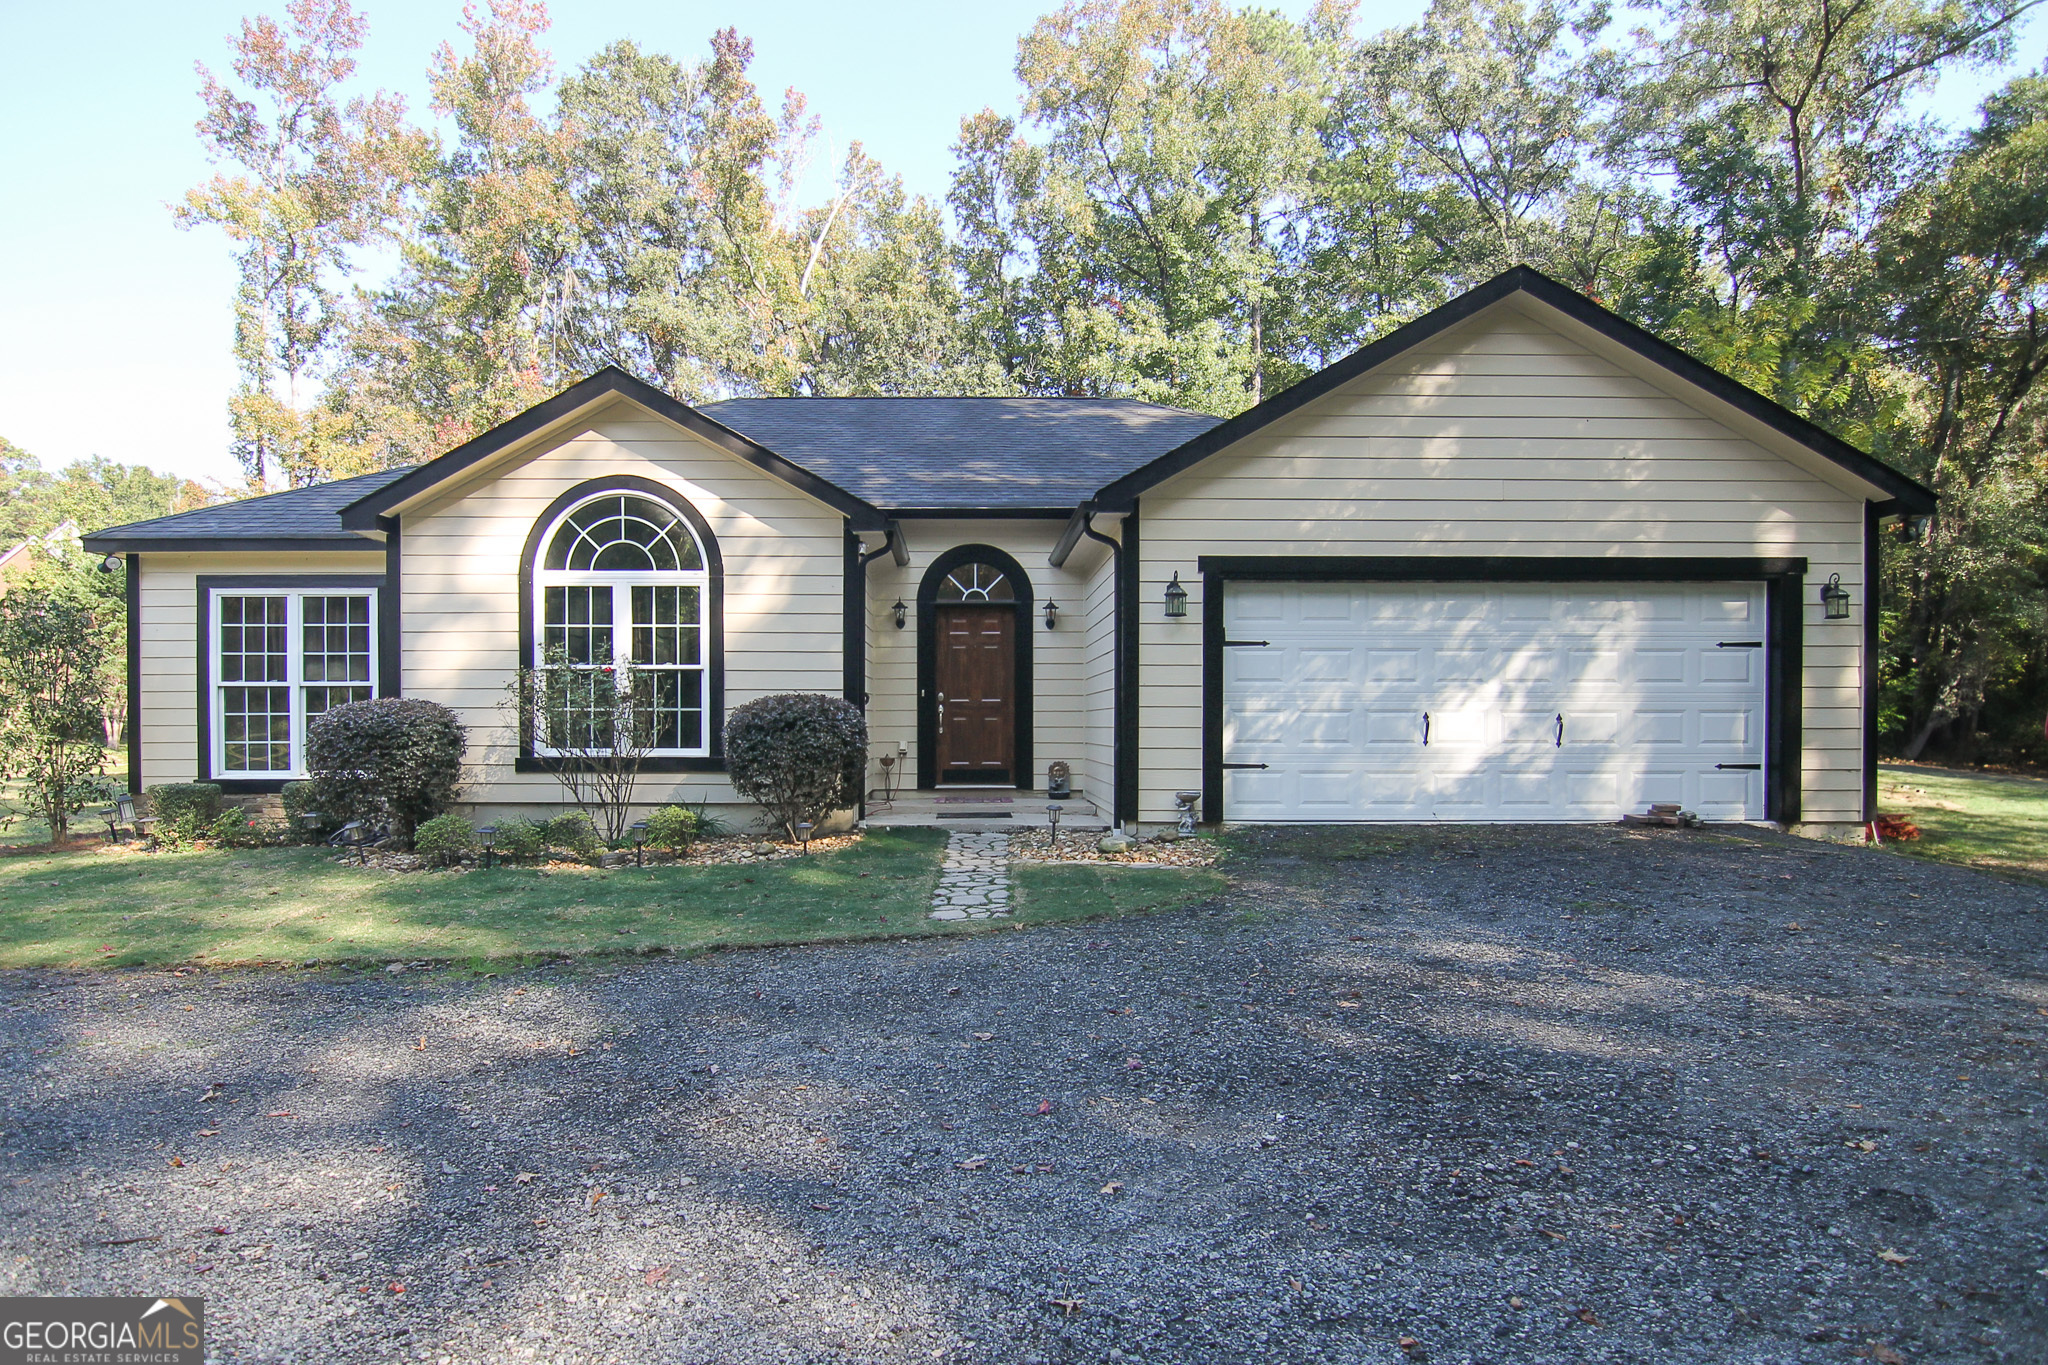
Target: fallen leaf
596, 1195
209, 1132
1045, 1106
655, 1276
1891, 1257
1412, 1348
983, 1037
280, 1114
1586, 1316
523, 1178
822, 1208
1553, 1236
1069, 1304
1112, 1187
177, 1161
973, 1163
1514, 1301
395, 1287
421, 1045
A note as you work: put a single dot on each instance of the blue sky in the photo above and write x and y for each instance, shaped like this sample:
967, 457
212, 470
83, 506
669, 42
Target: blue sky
114, 329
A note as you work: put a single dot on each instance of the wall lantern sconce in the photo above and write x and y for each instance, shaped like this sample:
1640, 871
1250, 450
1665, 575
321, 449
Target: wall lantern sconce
1914, 529
1176, 598
899, 609
1834, 599
1052, 615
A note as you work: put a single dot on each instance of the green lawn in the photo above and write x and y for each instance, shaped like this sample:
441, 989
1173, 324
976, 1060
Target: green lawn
1993, 821
27, 829
125, 908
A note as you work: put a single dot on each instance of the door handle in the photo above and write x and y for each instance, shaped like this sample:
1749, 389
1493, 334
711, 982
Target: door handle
1560, 729
1425, 729
942, 713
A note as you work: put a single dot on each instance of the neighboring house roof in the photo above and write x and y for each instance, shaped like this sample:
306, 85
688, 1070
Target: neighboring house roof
965, 454
21, 557
871, 458
296, 519
1908, 495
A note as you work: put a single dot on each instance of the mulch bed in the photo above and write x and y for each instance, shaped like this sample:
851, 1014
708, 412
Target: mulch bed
1031, 846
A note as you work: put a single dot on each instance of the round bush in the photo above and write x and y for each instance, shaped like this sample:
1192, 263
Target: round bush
184, 811
799, 755
445, 838
519, 838
393, 761
573, 832
674, 828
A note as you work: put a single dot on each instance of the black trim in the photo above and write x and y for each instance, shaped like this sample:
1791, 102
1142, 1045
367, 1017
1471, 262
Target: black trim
853, 622
133, 589
202, 649
1495, 568
390, 637
981, 513
1785, 667
1873, 587
194, 545
667, 763
363, 512
1910, 494
1025, 604
1785, 588
1213, 645
1126, 729
714, 611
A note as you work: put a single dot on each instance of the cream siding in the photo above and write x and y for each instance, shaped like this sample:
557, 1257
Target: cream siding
1060, 657
782, 553
169, 602
1502, 436
1099, 667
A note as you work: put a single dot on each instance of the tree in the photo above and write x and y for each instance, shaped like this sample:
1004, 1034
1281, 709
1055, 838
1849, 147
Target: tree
53, 670
588, 728
317, 179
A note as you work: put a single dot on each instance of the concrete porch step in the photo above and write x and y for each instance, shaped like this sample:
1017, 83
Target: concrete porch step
983, 810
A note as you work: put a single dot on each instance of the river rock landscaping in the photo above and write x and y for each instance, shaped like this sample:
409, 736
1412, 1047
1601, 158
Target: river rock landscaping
1455, 1095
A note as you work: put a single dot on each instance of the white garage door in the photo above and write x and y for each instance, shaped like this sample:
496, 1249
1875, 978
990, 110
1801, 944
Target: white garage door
1348, 701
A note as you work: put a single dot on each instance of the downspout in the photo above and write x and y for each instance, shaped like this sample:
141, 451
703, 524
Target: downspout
892, 542
1116, 657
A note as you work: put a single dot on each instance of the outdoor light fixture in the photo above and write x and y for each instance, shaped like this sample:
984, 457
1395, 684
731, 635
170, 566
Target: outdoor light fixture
113, 562
639, 831
899, 609
1052, 816
1052, 614
1914, 529
803, 832
311, 821
489, 834
1834, 599
1176, 598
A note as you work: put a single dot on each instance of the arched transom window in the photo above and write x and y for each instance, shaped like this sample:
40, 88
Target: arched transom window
976, 583
621, 587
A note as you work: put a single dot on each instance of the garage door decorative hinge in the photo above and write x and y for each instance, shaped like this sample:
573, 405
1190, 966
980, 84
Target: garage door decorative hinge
1744, 767
1245, 644
1738, 644
1247, 765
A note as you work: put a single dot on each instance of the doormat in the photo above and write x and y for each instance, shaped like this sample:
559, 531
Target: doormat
973, 800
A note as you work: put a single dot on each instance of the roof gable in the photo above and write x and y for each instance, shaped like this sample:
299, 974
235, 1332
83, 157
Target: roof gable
294, 519
610, 382
1907, 494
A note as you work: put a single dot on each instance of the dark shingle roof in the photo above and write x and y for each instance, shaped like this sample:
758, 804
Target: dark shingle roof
295, 515
964, 453
967, 453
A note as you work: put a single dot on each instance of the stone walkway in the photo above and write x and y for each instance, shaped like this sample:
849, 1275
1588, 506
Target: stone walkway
975, 881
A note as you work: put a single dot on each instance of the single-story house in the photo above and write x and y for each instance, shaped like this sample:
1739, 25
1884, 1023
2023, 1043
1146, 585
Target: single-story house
1518, 560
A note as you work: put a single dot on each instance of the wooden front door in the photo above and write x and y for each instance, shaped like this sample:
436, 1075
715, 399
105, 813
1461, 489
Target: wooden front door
975, 693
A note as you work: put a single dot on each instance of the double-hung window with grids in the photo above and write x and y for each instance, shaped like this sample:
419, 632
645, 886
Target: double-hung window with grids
281, 659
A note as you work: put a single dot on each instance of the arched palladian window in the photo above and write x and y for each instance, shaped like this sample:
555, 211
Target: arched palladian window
976, 582
622, 583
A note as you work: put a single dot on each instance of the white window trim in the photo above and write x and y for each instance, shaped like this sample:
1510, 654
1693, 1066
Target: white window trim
295, 670
622, 625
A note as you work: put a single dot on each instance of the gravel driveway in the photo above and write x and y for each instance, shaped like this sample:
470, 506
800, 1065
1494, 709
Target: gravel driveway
1445, 1094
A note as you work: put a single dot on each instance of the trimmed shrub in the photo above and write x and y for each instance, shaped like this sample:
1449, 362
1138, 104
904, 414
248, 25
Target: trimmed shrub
798, 755
519, 838
444, 839
674, 828
393, 761
184, 811
572, 832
